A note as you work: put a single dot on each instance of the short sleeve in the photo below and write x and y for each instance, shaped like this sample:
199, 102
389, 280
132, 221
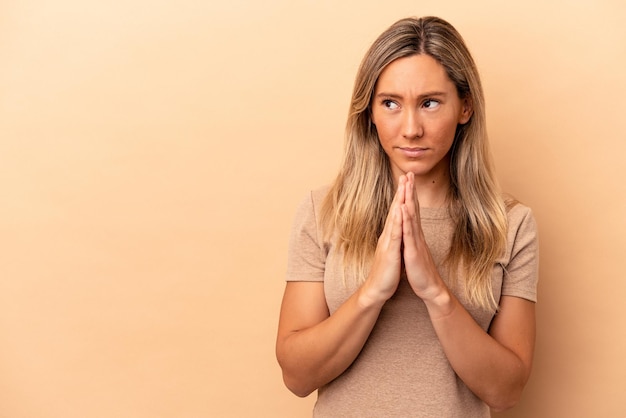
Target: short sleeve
306, 252
522, 269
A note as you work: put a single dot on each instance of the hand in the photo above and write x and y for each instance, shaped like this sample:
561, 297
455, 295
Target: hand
384, 276
421, 270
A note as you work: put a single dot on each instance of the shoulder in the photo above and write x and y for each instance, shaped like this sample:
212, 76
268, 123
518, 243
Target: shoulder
521, 258
519, 216
307, 248
309, 209
318, 195
522, 234
311, 203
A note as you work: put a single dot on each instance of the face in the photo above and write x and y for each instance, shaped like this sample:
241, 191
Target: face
416, 110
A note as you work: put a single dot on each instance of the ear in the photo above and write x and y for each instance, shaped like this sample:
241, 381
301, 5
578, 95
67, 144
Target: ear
466, 111
371, 115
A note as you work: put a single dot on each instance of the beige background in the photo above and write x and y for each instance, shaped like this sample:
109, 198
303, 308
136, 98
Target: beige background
152, 154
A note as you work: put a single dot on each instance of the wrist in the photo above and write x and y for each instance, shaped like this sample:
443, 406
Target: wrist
440, 303
369, 298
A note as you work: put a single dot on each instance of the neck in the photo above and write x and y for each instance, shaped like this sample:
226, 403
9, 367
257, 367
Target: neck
432, 192
433, 188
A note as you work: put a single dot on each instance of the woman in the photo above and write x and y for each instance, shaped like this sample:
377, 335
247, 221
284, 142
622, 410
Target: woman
411, 281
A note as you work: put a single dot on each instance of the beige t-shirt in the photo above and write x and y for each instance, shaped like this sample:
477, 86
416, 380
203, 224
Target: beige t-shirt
402, 370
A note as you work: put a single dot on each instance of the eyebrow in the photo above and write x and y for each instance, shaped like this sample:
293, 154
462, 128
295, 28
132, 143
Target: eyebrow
399, 96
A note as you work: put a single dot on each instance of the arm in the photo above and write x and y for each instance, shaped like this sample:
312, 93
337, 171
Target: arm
314, 347
495, 365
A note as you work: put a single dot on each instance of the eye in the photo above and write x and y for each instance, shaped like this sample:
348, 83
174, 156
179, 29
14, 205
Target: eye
390, 104
431, 104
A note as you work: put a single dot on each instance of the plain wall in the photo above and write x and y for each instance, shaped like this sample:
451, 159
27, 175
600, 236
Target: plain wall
152, 154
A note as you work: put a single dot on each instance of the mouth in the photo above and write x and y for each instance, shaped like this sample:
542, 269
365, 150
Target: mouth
412, 152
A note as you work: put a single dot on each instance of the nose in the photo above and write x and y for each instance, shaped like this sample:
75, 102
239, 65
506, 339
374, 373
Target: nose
412, 126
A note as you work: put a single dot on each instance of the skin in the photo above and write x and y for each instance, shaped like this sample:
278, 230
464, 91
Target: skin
416, 108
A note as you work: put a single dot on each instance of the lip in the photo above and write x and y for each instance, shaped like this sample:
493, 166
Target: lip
413, 152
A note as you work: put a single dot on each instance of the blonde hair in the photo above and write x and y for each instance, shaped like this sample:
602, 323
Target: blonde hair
357, 204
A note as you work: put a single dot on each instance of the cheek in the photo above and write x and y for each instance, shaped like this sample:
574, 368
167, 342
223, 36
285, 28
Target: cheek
385, 141
378, 126
386, 127
448, 129
385, 135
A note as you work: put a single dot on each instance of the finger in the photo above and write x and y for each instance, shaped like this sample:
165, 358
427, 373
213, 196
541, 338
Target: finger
396, 232
391, 238
414, 199
398, 199
409, 232
407, 224
390, 231
411, 199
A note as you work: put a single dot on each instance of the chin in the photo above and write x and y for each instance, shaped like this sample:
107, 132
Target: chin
417, 171
422, 169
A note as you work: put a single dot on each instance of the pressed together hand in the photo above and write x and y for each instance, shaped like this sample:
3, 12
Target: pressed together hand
401, 241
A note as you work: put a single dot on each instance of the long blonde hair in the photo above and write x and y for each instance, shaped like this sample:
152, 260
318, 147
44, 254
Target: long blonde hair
357, 203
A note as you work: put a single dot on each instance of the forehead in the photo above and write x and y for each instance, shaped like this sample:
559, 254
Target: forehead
416, 73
